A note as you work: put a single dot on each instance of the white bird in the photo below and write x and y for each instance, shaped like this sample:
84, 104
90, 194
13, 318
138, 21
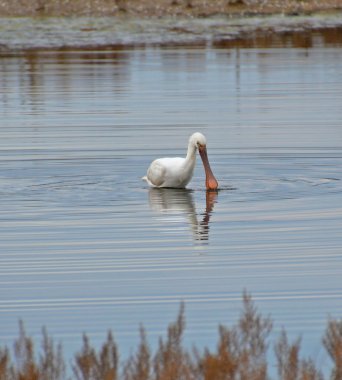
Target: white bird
176, 172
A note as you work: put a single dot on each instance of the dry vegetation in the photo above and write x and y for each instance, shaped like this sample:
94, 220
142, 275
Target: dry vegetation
240, 355
162, 8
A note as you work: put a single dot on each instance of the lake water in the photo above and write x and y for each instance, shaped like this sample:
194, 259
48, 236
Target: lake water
85, 245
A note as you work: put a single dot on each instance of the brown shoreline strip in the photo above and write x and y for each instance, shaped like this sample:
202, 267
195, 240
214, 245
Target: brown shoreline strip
164, 8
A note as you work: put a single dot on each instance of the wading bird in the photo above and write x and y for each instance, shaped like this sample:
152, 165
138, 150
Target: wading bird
176, 172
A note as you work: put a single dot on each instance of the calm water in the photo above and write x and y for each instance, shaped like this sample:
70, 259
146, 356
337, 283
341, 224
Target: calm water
85, 245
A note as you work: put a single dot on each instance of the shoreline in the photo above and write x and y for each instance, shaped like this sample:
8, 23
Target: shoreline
27, 33
86, 24
147, 9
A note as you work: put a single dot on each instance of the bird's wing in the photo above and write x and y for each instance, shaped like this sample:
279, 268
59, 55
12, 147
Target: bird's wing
156, 173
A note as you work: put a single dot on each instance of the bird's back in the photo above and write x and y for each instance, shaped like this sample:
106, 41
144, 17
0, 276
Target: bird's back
168, 172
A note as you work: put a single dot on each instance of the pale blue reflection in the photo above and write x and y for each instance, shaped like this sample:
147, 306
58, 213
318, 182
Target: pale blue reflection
179, 203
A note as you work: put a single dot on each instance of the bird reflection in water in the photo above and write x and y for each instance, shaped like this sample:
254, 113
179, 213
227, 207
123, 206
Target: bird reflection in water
180, 202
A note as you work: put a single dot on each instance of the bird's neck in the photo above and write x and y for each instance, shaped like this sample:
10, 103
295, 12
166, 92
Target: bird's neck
190, 158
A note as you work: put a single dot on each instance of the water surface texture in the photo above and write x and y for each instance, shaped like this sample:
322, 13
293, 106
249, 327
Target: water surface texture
85, 245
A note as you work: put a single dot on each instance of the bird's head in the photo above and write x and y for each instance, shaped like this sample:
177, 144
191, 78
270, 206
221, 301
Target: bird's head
199, 142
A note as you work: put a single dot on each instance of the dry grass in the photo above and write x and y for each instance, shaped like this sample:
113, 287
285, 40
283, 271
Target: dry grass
25, 365
290, 366
241, 354
333, 343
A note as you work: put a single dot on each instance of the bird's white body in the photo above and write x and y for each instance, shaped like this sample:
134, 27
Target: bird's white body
176, 172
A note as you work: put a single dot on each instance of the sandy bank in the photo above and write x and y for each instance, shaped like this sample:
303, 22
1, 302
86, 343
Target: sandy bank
164, 8
100, 23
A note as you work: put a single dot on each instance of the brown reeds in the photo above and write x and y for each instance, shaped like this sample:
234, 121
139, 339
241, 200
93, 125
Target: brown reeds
241, 350
290, 365
90, 365
241, 354
333, 343
25, 365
